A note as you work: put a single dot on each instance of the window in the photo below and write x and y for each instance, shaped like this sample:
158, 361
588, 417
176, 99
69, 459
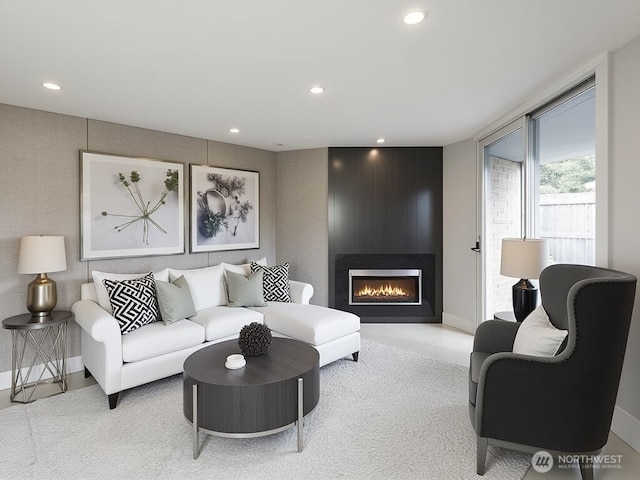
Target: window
539, 182
564, 180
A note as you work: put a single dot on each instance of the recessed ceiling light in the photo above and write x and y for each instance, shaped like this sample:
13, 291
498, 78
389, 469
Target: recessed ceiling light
51, 86
412, 18
234, 130
380, 140
317, 90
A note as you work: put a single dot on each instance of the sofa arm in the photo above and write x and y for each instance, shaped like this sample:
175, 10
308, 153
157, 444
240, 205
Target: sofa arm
100, 343
96, 321
300, 292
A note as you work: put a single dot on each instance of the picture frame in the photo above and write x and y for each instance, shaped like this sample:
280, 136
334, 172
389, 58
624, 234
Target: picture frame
130, 207
224, 209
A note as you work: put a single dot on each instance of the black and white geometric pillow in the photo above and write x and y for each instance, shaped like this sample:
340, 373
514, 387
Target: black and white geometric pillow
134, 302
275, 282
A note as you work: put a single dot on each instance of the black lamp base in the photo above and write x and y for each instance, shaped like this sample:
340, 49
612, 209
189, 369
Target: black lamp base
525, 299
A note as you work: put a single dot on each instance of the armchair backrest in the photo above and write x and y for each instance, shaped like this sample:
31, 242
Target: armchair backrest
557, 282
595, 305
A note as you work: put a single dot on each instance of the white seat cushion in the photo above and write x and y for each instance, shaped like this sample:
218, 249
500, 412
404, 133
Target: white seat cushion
309, 323
221, 322
157, 339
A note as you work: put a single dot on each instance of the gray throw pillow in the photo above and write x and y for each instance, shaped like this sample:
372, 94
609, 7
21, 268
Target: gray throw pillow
245, 291
175, 300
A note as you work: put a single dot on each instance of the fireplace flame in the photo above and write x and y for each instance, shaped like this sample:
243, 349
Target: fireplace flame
388, 290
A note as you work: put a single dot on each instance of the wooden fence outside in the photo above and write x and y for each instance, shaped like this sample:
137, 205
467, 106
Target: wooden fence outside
567, 221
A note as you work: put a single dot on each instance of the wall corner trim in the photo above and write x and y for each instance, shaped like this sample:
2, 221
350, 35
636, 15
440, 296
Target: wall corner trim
460, 323
627, 427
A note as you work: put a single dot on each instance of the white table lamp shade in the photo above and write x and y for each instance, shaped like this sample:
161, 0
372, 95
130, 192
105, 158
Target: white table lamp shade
523, 258
42, 254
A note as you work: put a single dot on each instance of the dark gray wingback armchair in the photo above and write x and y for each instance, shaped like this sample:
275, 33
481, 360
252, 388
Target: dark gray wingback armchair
560, 404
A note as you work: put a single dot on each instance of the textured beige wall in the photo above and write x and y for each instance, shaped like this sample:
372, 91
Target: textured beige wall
302, 205
40, 185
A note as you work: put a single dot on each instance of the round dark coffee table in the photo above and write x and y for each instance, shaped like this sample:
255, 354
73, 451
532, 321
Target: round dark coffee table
271, 393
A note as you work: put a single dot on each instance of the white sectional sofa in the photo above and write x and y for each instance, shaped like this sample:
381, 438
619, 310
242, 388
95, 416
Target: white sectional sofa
156, 350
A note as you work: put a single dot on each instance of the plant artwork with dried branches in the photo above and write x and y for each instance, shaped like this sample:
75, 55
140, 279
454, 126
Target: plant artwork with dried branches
225, 209
212, 220
145, 209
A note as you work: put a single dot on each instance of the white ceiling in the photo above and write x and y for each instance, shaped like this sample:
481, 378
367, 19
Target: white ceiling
200, 67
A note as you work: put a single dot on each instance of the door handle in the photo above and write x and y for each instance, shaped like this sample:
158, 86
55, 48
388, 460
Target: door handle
477, 247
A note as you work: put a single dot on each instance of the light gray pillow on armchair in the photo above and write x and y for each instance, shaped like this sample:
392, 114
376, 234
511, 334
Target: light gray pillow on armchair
175, 301
245, 291
537, 336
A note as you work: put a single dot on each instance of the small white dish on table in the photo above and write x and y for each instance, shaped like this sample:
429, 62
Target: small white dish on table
235, 361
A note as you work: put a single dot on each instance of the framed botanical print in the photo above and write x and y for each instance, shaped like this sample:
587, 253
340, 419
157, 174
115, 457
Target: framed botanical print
130, 206
225, 209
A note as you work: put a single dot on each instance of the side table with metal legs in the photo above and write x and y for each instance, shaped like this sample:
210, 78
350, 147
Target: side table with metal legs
39, 351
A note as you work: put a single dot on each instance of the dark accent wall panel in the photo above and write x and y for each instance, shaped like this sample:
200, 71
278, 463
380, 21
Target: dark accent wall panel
386, 200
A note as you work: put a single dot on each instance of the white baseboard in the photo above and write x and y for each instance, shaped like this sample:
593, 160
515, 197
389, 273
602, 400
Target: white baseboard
627, 427
73, 364
463, 324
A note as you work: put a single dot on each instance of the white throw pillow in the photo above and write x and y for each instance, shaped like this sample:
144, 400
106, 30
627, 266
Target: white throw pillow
101, 290
537, 336
206, 285
244, 268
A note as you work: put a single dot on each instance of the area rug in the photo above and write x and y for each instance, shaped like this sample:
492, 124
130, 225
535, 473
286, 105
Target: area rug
392, 415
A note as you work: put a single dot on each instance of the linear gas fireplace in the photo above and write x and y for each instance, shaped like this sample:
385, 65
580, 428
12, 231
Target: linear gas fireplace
387, 286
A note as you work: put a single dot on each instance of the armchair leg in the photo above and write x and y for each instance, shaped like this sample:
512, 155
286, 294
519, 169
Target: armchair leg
481, 454
87, 373
586, 468
355, 356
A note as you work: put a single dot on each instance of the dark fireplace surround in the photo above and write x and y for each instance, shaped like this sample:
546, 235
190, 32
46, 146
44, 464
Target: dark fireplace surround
384, 269
385, 213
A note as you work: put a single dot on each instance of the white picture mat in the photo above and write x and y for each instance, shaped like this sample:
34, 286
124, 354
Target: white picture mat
101, 191
239, 235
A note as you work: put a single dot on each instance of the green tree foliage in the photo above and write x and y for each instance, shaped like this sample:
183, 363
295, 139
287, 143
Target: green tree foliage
568, 176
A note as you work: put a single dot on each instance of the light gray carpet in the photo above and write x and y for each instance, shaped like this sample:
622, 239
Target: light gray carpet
392, 415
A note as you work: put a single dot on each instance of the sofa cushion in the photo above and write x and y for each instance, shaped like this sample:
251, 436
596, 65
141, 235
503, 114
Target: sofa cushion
101, 290
245, 290
221, 322
275, 282
206, 285
309, 323
158, 339
174, 300
134, 302
243, 268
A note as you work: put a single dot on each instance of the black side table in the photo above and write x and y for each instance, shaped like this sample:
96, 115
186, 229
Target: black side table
39, 346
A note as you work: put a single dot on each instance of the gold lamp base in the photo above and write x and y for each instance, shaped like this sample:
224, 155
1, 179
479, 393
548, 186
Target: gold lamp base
42, 296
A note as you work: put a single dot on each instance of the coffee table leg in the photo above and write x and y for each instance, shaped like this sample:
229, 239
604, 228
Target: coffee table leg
196, 439
300, 413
